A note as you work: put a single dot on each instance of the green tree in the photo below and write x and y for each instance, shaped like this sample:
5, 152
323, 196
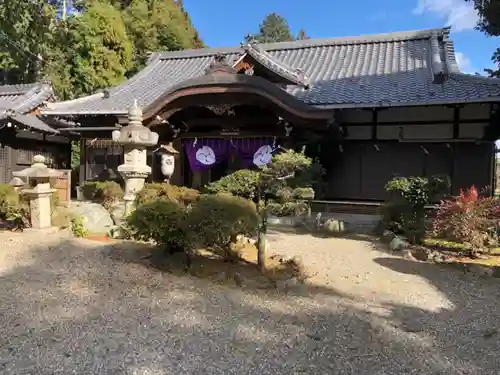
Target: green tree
26, 36
489, 23
102, 46
288, 181
273, 28
158, 26
93, 51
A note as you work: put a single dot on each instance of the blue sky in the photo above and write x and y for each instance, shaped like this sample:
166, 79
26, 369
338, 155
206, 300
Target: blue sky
224, 23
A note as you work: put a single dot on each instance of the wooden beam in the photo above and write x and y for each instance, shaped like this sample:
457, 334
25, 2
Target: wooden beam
231, 121
415, 123
374, 124
240, 134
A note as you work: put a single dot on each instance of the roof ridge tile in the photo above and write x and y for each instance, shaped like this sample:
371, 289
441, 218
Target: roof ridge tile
308, 43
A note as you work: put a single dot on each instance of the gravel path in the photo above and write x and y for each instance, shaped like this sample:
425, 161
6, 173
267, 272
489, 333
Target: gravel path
76, 307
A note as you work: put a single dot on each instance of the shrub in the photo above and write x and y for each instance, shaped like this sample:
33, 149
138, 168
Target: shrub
163, 221
404, 211
287, 208
289, 182
77, 227
469, 219
155, 191
242, 183
216, 220
13, 209
105, 193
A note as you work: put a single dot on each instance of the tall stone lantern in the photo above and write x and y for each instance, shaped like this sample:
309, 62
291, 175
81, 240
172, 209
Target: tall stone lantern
134, 138
38, 191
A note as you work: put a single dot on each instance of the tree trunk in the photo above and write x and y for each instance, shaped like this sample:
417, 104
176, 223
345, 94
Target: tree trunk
262, 240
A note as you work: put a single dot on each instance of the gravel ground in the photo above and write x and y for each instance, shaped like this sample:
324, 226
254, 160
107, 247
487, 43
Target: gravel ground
79, 307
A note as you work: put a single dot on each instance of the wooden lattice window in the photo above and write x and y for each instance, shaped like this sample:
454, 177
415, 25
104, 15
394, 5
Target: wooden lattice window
102, 159
4, 167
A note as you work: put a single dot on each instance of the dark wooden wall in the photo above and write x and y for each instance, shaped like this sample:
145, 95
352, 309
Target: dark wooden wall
17, 154
362, 169
101, 159
378, 145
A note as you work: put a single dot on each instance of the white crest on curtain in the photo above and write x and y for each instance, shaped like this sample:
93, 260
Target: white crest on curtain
205, 155
263, 156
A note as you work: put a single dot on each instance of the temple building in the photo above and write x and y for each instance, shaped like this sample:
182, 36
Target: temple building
369, 108
23, 134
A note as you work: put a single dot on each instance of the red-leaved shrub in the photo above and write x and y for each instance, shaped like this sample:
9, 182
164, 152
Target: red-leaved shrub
469, 219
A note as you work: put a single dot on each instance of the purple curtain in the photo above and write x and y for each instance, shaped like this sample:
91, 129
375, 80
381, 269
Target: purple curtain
253, 151
204, 153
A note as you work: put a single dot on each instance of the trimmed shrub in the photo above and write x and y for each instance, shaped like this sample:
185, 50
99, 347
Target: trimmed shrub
242, 183
287, 209
468, 219
404, 212
163, 221
105, 193
216, 220
155, 191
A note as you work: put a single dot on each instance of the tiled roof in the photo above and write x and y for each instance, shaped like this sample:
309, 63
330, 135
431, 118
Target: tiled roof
34, 123
395, 69
24, 98
18, 100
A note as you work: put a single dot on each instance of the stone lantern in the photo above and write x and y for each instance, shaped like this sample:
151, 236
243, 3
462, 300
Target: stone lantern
134, 138
38, 191
167, 153
17, 183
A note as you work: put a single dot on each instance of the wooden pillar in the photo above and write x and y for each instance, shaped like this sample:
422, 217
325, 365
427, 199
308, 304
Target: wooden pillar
10, 163
83, 162
177, 178
197, 180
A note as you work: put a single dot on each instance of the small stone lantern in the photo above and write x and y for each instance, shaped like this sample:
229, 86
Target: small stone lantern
134, 138
38, 191
167, 153
17, 183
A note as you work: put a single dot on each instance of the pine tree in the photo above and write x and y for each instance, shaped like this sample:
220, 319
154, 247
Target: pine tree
273, 28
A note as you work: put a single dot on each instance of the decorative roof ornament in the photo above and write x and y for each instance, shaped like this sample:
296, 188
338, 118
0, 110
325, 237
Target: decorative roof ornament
220, 65
257, 52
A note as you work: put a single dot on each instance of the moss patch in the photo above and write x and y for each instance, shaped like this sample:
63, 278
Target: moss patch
243, 270
452, 246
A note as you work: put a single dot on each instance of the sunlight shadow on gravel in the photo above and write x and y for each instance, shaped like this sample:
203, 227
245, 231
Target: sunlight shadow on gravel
110, 316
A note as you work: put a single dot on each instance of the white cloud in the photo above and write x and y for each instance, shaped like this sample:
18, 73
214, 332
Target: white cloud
464, 63
457, 13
